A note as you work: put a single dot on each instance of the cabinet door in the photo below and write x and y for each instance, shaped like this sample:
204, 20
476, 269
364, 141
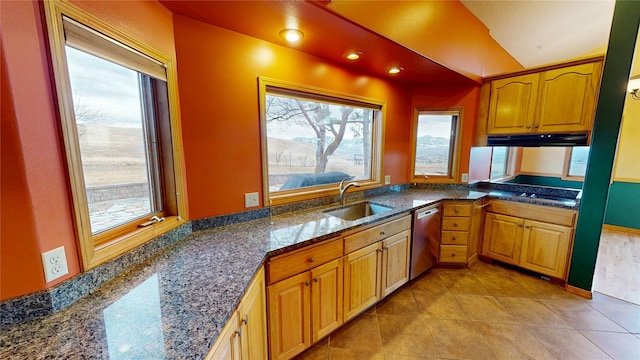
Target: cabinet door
512, 104
567, 98
395, 262
361, 279
502, 237
227, 346
545, 248
253, 320
475, 233
289, 316
326, 299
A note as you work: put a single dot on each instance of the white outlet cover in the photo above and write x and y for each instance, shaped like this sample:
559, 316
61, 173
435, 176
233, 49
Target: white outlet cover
55, 264
251, 200
465, 177
387, 179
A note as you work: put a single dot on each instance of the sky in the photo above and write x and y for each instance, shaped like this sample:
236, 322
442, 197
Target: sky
98, 84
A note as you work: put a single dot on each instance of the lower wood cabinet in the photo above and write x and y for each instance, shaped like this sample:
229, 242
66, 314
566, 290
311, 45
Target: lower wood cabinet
461, 232
304, 308
540, 246
244, 337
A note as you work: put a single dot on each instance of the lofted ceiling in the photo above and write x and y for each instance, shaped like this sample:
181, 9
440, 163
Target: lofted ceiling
434, 41
538, 32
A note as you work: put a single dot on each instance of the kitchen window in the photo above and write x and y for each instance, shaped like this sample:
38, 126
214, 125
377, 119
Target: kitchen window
117, 106
500, 159
575, 163
315, 138
436, 145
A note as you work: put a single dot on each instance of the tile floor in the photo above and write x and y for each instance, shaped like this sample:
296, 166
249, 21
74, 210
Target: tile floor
486, 312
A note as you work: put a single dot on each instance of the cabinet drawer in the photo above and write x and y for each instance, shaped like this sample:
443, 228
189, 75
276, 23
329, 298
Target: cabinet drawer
375, 234
290, 264
455, 224
454, 237
453, 254
456, 209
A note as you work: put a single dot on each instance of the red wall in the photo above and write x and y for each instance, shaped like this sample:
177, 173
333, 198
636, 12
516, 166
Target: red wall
36, 205
218, 79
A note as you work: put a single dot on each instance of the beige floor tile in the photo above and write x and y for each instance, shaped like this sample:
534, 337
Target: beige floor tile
405, 335
348, 354
442, 305
568, 344
624, 314
429, 282
400, 302
459, 340
484, 308
580, 315
501, 285
463, 284
407, 357
617, 345
486, 268
351, 335
541, 288
314, 353
532, 312
513, 341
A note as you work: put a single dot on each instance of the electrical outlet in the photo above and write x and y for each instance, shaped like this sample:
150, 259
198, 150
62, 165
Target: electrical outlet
387, 179
465, 177
55, 264
251, 200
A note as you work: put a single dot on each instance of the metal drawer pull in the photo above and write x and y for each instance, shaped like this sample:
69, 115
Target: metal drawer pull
456, 211
315, 279
239, 332
311, 260
245, 320
454, 238
455, 224
382, 233
453, 255
307, 283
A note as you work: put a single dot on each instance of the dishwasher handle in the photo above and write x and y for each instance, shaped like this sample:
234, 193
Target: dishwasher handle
425, 213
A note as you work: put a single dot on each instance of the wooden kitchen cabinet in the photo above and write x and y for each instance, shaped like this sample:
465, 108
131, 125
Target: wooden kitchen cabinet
362, 279
502, 237
545, 248
244, 336
558, 99
534, 237
305, 307
395, 262
461, 232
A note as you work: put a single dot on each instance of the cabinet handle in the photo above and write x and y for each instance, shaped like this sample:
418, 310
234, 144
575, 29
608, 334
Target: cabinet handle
307, 283
245, 320
311, 260
526, 227
455, 224
382, 233
456, 211
529, 127
454, 238
239, 332
519, 225
535, 126
453, 255
315, 279
380, 250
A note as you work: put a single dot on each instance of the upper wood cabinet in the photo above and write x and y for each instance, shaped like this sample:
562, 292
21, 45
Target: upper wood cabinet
547, 100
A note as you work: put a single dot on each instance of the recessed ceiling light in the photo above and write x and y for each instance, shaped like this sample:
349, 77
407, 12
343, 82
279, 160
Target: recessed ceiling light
395, 70
354, 55
292, 35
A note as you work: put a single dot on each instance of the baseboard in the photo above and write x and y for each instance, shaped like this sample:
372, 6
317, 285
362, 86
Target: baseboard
621, 228
578, 291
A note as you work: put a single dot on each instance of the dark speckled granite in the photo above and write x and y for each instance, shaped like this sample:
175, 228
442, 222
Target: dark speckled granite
177, 301
557, 197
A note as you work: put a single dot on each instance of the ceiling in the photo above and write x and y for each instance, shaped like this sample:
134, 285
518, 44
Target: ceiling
434, 41
538, 32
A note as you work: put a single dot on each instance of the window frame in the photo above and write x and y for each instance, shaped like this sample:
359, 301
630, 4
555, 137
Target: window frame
512, 155
309, 92
99, 248
567, 166
455, 147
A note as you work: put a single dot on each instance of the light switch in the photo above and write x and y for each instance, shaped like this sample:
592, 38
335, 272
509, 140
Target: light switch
251, 200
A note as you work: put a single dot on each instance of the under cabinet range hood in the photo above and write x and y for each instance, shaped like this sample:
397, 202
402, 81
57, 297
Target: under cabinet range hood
532, 140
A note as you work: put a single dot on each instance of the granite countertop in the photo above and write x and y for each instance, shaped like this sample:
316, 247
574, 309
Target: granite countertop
175, 304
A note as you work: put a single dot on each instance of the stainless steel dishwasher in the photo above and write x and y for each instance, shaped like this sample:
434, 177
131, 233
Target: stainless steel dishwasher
425, 239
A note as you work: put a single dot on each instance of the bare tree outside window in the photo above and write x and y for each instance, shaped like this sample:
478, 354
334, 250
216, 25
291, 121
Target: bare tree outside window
324, 141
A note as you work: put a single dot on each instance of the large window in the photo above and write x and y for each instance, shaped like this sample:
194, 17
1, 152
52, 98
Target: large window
576, 162
435, 148
117, 121
313, 139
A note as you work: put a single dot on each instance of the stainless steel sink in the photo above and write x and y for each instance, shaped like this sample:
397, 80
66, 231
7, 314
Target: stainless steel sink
358, 211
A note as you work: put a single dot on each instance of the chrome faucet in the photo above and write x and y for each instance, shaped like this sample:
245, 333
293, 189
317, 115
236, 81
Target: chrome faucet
343, 188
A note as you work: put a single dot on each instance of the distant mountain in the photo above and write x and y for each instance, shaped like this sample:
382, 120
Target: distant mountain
427, 140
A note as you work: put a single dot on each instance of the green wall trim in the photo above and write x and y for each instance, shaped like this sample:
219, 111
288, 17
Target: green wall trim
546, 181
617, 66
622, 205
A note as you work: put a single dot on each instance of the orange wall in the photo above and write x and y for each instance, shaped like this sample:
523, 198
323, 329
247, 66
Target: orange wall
217, 76
466, 97
36, 207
